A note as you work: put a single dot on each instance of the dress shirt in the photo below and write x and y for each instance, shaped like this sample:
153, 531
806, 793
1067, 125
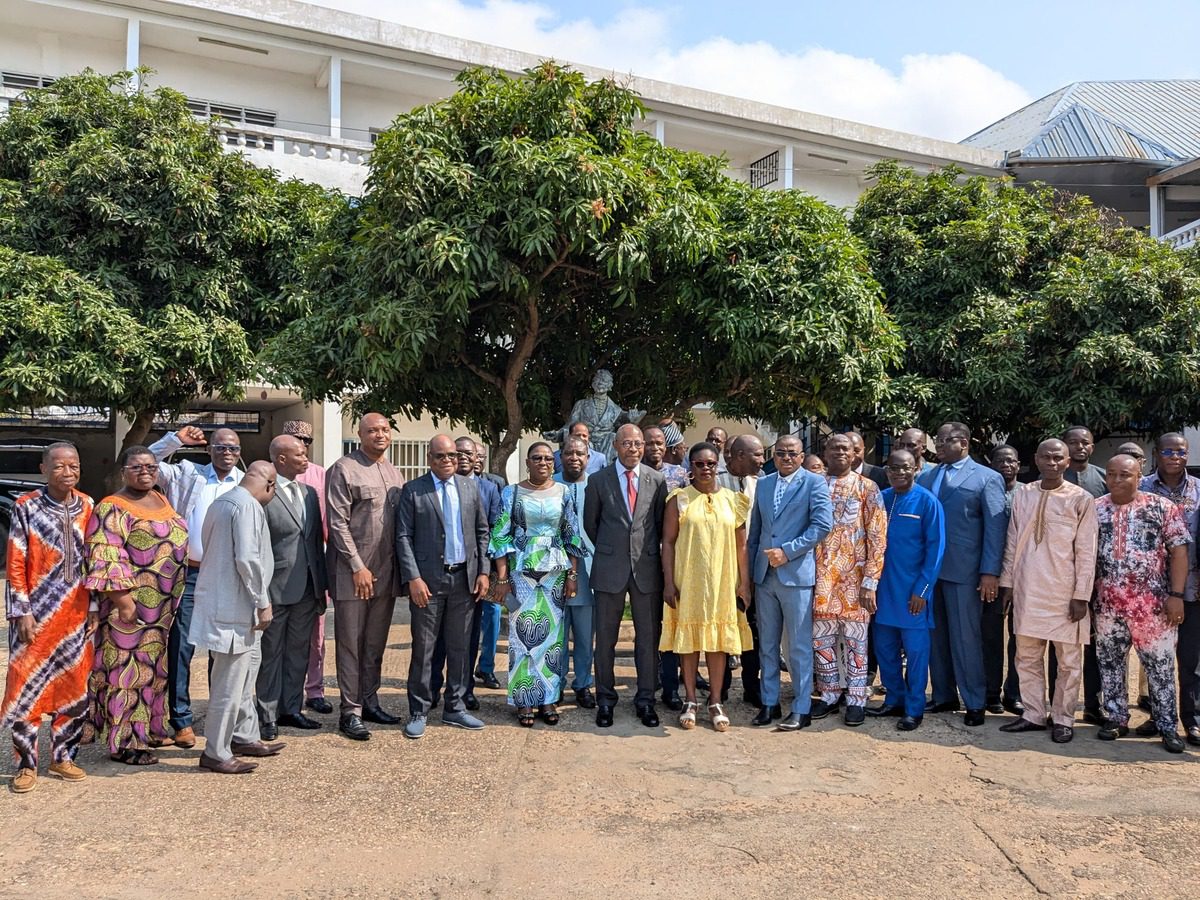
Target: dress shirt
292, 494
624, 480
946, 475
190, 489
447, 493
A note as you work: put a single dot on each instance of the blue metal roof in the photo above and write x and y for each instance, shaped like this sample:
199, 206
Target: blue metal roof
1156, 121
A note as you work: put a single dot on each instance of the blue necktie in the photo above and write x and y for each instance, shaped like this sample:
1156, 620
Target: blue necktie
451, 551
938, 480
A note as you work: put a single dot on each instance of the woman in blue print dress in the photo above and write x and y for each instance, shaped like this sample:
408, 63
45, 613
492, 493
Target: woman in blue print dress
536, 543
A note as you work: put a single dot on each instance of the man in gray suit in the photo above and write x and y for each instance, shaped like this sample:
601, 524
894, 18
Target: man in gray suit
972, 497
792, 514
232, 606
441, 549
297, 591
623, 516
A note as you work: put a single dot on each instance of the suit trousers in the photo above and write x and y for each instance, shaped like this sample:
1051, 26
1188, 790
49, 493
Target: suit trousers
360, 633
751, 672
647, 631
956, 660
285, 645
999, 687
314, 682
449, 614
905, 682
485, 625
784, 610
231, 714
179, 655
1031, 654
579, 626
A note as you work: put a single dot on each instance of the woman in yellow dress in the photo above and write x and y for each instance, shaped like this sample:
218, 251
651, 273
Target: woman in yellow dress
706, 579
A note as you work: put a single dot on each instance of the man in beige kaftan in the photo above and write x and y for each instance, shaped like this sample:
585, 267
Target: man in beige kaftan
1049, 567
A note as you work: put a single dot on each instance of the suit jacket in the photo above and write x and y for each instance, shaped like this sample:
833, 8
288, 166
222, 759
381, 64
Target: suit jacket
976, 521
877, 474
299, 551
805, 517
489, 495
625, 547
234, 574
421, 533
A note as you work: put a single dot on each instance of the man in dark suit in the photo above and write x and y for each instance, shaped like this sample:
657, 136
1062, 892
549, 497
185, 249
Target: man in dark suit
297, 591
860, 465
623, 516
972, 497
480, 464
441, 548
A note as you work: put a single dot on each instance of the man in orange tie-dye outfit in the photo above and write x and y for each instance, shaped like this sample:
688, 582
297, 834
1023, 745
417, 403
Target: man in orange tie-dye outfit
49, 622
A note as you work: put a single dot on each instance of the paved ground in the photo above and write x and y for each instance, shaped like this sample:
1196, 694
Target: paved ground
631, 812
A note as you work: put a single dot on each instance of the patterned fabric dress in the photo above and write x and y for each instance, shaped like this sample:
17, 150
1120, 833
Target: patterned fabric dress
706, 574
537, 531
48, 676
133, 549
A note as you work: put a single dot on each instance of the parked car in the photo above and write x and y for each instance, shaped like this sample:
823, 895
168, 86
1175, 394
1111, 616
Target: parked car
20, 472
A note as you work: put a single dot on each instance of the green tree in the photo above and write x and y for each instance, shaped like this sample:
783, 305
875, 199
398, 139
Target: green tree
522, 233
1027, 310
149, 264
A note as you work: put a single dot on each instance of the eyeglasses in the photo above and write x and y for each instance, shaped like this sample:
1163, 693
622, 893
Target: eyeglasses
900, 470
226, 448
787, 454
1178, 454
307, 441
140, 468
630, 445
942, 441
541, 459
442, 457
465, 454
704, 463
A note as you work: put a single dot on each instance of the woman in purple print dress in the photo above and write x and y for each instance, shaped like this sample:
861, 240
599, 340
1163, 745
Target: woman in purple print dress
137, 549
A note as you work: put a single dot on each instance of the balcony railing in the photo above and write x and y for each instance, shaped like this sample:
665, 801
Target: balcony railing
1184, 237
294, 143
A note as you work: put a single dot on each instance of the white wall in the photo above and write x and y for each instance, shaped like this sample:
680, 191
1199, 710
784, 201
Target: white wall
364, 108
57, 53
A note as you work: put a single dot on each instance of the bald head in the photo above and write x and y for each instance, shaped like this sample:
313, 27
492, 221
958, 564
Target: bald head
374, 435
289, 455
443, 456
1052, 460
629, 445
746, 455
259, 480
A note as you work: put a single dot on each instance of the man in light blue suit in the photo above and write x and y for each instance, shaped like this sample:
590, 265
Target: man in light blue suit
972, 497
792, 513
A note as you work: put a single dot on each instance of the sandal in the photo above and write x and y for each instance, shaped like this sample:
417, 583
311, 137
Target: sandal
525, 717
134, 757
687, 718
549, 715
720, 721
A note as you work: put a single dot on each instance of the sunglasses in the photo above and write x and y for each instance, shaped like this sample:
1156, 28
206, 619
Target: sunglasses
787, 454
141, 468
442, 457
226, 448
1177, 454
704, 464
541, 459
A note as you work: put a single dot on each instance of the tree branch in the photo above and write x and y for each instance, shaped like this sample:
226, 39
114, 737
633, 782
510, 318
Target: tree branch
495, 380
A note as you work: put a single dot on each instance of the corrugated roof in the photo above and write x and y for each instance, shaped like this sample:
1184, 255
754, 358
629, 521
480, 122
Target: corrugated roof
1151, 120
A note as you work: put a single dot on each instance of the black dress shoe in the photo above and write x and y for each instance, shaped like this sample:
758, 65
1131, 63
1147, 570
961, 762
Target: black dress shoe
752, 699
268, 732
352, 727
763, 717
776, 711
487, 679
648, 716
379, 716
299, 720
1193, 736
855, 715
948, 706
701, 682
585, 699
995, 707
1016, 707
1110, 731
1172, 742
673, 702
909, 723
893, 709
973, 718
1093, 717
820, 709
604, 716
1062, 734
471, 702
319, 704
1149, 728
1021, 725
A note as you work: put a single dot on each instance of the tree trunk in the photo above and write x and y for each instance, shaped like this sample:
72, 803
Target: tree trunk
139, 429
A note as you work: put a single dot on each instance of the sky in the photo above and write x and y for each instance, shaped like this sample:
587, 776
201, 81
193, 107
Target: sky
930, 67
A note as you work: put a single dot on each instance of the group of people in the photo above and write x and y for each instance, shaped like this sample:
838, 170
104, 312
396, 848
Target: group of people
829, 567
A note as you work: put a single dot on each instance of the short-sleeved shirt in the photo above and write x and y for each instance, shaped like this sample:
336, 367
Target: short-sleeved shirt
1187, 498
1131, 562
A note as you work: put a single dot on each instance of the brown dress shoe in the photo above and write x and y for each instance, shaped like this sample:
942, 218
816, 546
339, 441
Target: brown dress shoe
185, 738
229, 767
258, 748
24, 781
67, 771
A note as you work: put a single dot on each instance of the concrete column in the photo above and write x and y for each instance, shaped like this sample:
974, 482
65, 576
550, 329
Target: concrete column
133, 49
335, 100
329, 417
660, 131
1157, 212
788, 161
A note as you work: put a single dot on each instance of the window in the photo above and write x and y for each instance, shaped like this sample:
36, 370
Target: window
410, 457
20, 81
765, 171
208, 110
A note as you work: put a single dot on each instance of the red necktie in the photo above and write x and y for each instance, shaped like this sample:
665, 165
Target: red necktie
631, 492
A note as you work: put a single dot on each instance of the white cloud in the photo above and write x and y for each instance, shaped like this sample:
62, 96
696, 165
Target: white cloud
945, 95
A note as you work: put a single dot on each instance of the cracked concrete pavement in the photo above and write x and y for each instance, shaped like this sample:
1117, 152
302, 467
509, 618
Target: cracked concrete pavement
571, 811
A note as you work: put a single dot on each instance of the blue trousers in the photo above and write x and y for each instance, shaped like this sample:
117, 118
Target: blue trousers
179, 656
904, 688
579, 629
483, 638
783, 608
956, 661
